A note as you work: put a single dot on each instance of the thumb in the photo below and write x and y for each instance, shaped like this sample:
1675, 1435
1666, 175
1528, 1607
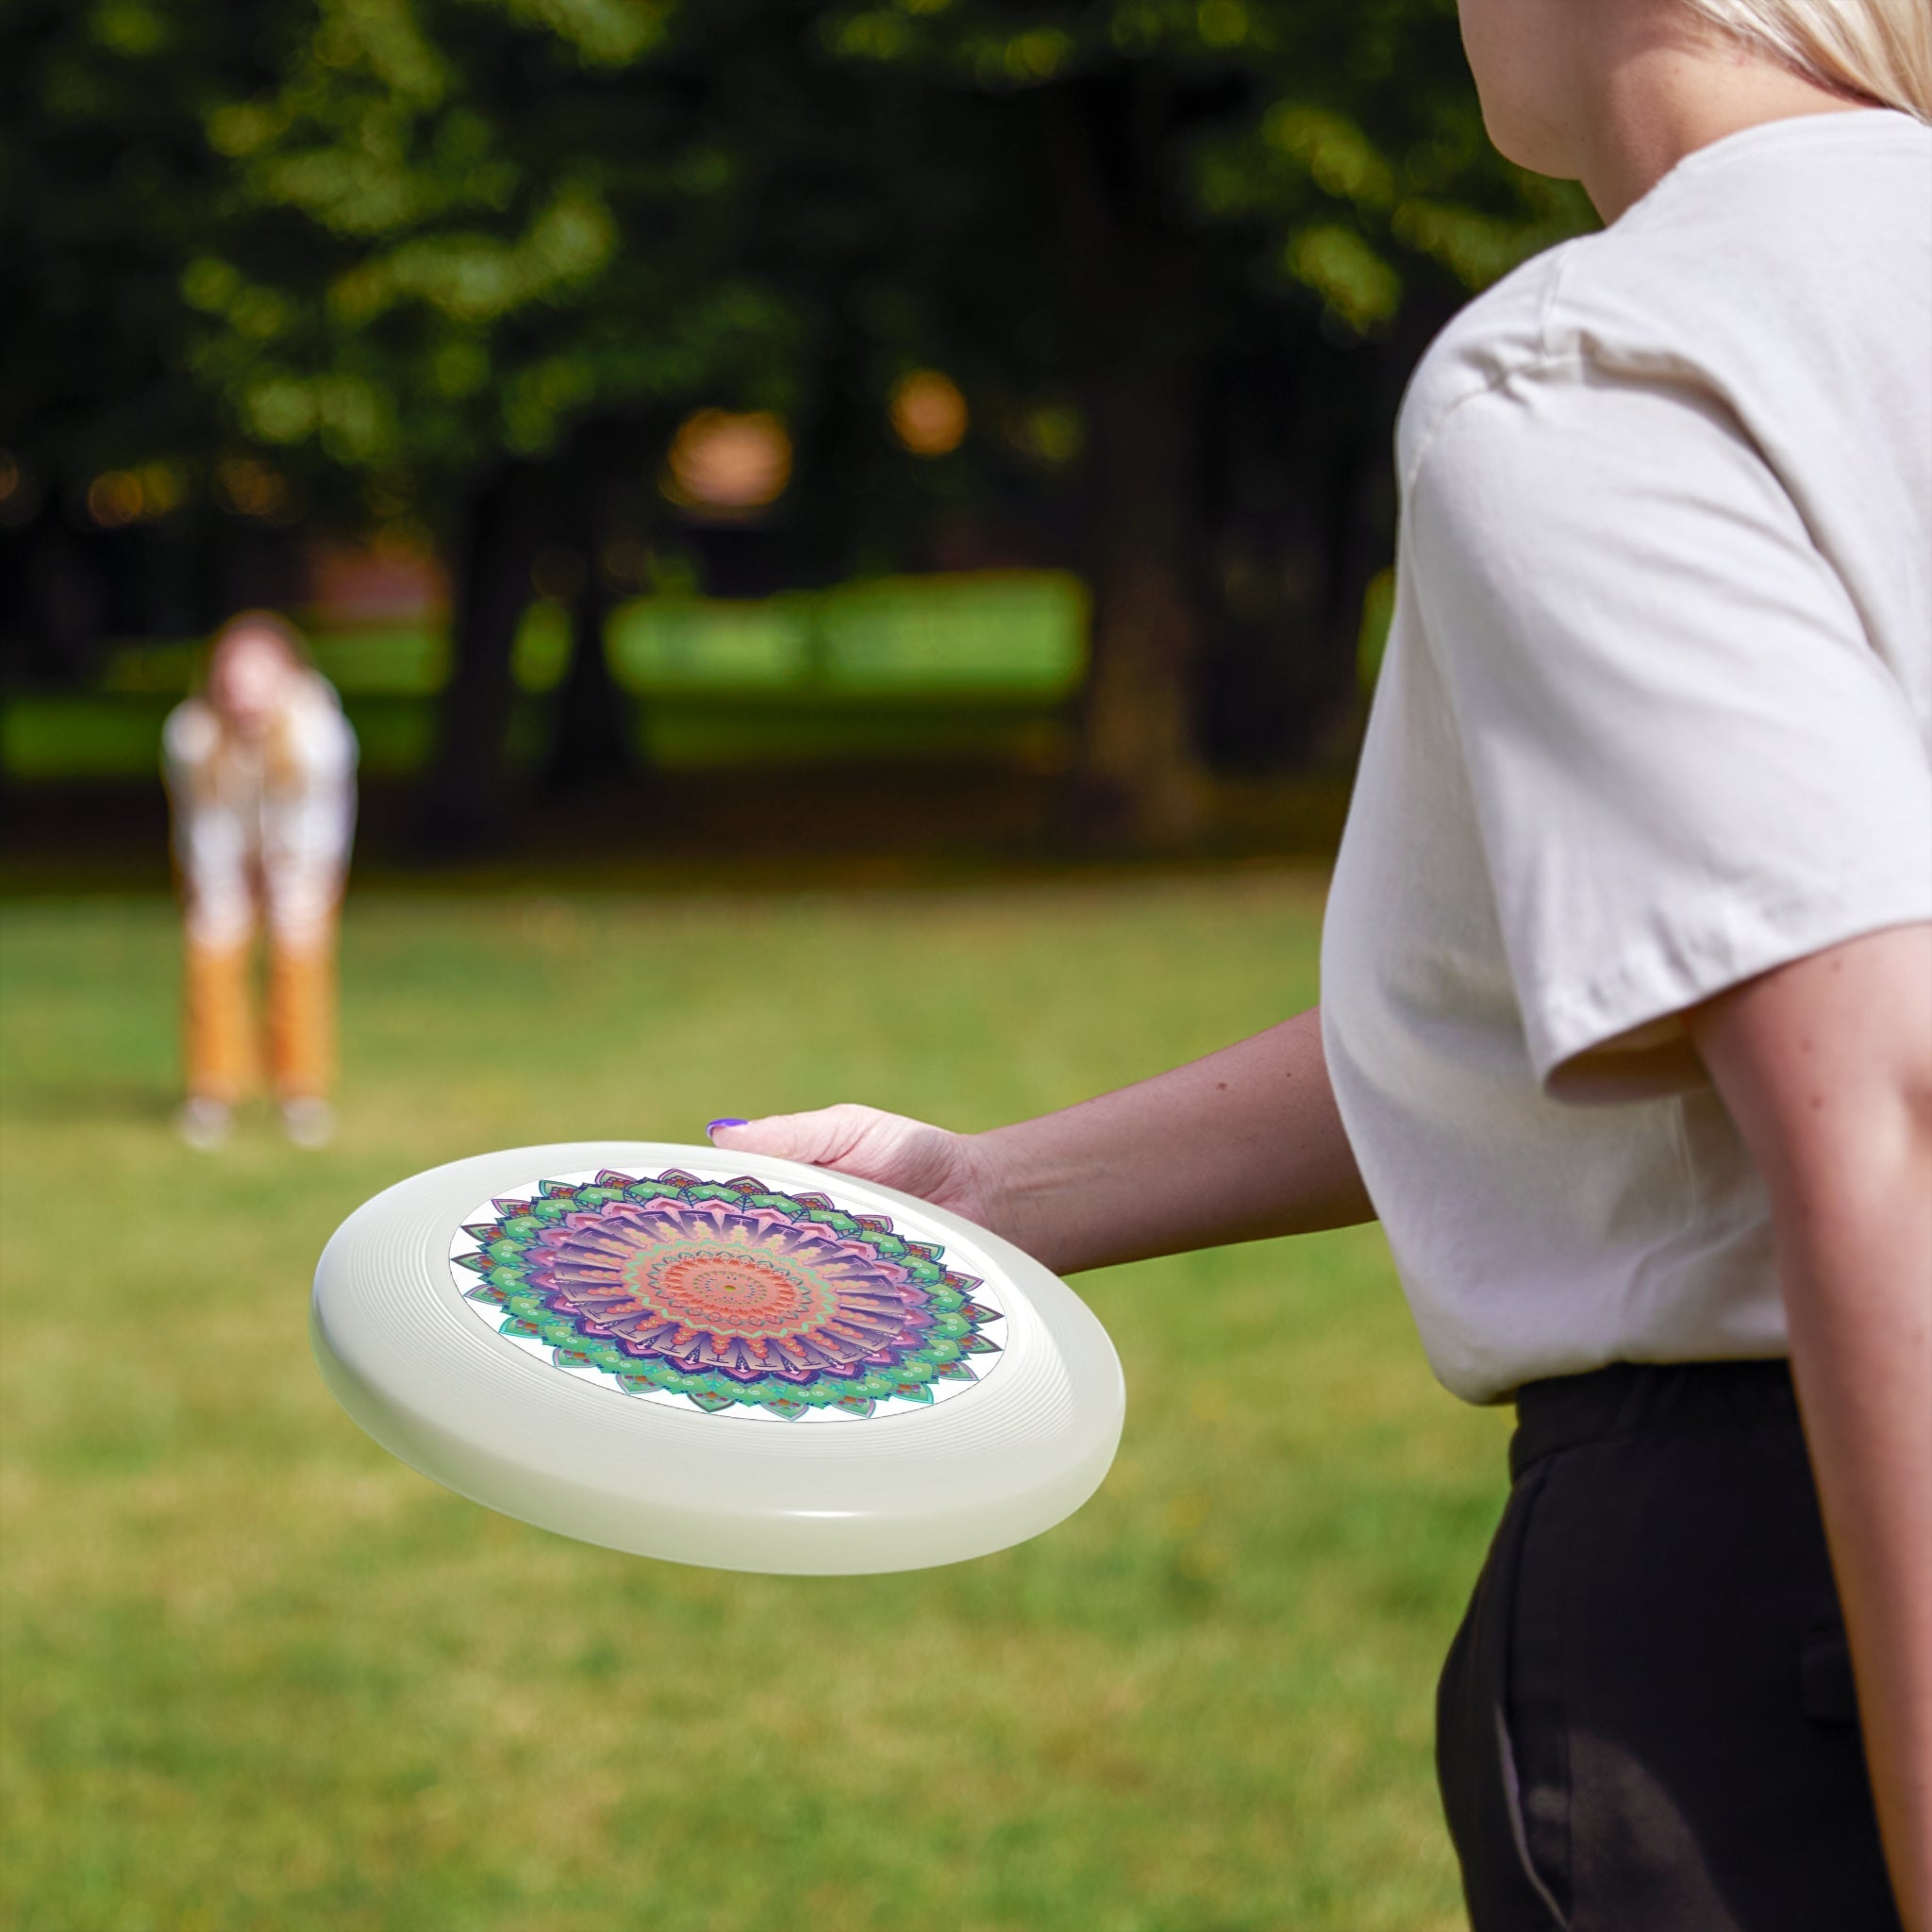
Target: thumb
860, 1140
817, 1139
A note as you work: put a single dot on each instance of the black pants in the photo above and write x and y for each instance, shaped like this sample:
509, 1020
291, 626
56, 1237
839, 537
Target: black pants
1646, 1720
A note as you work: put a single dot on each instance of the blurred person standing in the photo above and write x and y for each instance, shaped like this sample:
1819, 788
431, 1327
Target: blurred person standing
260, 768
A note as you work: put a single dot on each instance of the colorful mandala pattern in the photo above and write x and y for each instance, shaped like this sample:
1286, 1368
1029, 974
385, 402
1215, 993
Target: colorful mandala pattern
728, 1297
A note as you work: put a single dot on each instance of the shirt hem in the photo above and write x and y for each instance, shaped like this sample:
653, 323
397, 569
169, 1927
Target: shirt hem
1642, 994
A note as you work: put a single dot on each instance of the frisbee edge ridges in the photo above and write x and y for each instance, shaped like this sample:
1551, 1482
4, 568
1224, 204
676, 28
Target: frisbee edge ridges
870, 1539
872, 1544
501, 1427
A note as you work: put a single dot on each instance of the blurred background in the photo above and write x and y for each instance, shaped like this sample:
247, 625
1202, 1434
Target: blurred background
855, 539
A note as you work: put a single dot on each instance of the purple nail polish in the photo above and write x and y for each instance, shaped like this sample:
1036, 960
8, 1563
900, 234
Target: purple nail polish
713, 1127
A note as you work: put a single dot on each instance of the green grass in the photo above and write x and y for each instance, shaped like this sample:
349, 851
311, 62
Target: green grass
113, 735
983, 664
259, 1675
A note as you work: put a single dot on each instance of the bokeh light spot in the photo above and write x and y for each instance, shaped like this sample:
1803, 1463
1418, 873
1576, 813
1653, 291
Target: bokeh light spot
930, 415
728, 464
250, 488
114, 499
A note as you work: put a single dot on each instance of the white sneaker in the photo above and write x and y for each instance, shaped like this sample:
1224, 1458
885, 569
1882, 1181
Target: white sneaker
204, 1124
308, 1121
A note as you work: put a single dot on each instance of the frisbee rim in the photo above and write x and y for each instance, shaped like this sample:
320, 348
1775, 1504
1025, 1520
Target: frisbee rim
996, 1464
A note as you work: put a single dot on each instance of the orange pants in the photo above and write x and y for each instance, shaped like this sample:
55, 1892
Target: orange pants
222, 1045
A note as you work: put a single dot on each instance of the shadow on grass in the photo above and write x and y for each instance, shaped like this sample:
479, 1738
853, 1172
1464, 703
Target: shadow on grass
84, 1103
770, 829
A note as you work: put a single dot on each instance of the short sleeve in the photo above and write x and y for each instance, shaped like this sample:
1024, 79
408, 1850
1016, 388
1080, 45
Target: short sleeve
187, 741
323, 739
1689, 763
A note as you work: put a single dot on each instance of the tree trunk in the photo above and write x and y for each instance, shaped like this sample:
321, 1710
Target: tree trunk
1140, 736
1134, 307
591, 747
467, 798
62, 600
593, 744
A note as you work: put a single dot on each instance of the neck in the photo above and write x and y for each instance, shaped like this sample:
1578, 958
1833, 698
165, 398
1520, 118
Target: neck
1660, 93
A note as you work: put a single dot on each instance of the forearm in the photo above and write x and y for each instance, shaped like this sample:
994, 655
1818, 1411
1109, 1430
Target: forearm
1857, 1278
1826, 1066
1241, 1145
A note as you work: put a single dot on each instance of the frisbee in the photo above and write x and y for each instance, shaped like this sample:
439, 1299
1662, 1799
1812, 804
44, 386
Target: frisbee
717, 1359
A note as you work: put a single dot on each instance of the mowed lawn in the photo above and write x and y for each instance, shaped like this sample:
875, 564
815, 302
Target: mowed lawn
259, 1675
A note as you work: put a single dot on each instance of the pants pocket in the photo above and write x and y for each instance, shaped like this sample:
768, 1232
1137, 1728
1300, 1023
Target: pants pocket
1826, 1694
1476, 1760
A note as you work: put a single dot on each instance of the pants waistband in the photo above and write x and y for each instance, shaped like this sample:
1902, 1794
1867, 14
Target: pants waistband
1635, 1398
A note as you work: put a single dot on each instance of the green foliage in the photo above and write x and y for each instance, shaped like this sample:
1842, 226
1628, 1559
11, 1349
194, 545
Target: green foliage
1347, 133
498, 238
395, 239
258, 1673
107, 188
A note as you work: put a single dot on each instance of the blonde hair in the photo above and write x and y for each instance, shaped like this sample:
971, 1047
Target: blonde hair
1879, 50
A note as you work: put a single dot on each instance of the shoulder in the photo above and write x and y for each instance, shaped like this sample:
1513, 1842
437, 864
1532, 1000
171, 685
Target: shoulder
1755, 267
1605, 308
1496, 338
190, 734
320, 734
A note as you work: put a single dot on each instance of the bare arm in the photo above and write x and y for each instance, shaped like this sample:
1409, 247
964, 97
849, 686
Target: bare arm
1240, 1145
1827, 1068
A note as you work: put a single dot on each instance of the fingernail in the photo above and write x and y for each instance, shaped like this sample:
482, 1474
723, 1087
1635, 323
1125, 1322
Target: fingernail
716, 1124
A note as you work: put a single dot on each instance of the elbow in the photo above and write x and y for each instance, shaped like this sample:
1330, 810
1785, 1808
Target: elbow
1859, 1179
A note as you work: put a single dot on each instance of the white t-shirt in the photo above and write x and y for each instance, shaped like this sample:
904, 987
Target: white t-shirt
246, 831
1655, 716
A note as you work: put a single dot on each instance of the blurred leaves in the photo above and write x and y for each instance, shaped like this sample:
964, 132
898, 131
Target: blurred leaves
397, 238
605, 33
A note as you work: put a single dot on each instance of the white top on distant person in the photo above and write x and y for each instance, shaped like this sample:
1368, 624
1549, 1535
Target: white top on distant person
260, 768
1629, 962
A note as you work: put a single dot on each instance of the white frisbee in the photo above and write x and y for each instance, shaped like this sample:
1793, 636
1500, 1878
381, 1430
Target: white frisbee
717, 1359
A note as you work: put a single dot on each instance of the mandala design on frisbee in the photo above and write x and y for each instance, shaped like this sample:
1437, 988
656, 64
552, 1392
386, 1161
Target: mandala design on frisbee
727, 1296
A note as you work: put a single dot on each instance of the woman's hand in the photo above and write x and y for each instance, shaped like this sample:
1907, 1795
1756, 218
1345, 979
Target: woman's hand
1236, 1147
949, 1170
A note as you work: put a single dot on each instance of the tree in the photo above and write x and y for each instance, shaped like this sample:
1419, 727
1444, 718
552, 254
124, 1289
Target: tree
110, 190
1217, 202
489, 237
470, 261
